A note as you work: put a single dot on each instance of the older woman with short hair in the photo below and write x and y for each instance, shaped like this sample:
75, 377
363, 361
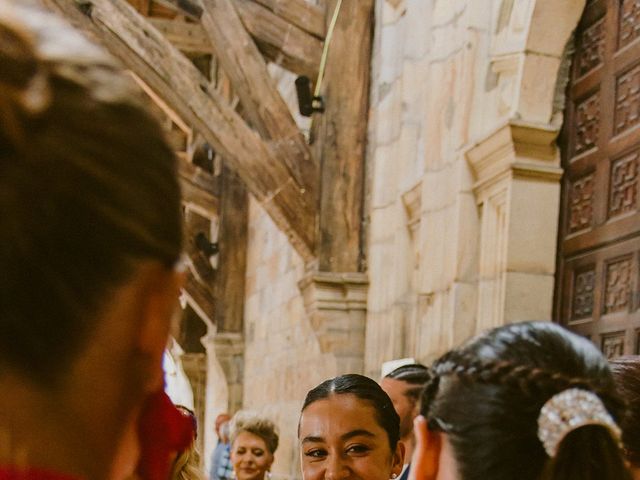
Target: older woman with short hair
254, 440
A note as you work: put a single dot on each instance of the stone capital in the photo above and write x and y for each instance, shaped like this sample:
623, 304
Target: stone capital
516, 149
337, 306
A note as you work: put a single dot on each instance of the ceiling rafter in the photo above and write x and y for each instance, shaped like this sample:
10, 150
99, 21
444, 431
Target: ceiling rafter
242, 62
280, 41
277, 181
303, 15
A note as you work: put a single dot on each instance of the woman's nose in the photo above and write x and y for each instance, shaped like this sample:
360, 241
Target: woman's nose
336, 469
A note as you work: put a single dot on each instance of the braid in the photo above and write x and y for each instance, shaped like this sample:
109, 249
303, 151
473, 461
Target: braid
528, 379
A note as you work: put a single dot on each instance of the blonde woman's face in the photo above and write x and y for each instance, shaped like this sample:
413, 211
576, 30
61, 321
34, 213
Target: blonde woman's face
250, 457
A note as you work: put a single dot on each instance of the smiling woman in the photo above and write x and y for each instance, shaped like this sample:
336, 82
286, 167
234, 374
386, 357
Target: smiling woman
254, 440
349, 429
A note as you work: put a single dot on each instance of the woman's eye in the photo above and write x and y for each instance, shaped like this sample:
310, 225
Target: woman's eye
315, 453
258, 453
358, 449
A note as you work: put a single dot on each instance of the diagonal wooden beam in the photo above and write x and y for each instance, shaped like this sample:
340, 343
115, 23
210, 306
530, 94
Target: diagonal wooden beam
172, 76
300, 13
242, 62
187, 37
187, 7
281, 41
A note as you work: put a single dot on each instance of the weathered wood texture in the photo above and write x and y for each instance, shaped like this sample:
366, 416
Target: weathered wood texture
195, 224
303, 15
199, 187
280, 41
241, 60
341, 133
185, 36
142, 48
232, 259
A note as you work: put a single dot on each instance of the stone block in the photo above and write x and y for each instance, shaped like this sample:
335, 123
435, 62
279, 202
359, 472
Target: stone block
389, 113
384, 176
528, 297
391, 39
533, 226
538, 88
552, 23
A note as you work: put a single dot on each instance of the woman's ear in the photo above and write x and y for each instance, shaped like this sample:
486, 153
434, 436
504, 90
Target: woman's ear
397, 461
426, 455
159, 307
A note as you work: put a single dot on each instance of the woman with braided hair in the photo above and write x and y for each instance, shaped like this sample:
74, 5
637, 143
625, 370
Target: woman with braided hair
528, 401
90, 227
626, 372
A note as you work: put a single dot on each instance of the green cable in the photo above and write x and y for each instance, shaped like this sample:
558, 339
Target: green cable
325, 50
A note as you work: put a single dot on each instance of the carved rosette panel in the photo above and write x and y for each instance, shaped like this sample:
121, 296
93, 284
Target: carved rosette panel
587, 126
627, 100
591, 51
629, 22
623, 195
583, 287
581, 198
617, 289
613, 344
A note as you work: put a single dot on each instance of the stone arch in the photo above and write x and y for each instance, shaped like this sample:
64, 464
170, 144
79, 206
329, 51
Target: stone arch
517, 165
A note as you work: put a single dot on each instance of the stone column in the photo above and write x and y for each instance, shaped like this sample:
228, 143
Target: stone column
337, 306
517, 172
224, 381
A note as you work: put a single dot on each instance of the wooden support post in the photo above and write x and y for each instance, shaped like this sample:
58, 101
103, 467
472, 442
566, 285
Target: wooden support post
341, 134
129, 36
232, 259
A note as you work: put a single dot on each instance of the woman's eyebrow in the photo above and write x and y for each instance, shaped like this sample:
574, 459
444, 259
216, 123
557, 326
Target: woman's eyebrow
312, 439
357, 433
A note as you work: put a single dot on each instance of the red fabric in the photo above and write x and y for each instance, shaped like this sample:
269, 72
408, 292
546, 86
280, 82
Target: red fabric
163, 431
12, 473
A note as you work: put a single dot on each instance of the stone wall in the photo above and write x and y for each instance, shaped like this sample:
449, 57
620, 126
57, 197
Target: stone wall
460, 149
449, 189
283, 358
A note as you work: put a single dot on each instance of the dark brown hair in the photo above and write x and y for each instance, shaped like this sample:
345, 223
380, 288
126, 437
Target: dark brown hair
88, 187
365, 389
626, 372
487, 396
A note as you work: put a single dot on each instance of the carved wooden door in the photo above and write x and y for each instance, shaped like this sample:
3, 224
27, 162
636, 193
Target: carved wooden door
599, 237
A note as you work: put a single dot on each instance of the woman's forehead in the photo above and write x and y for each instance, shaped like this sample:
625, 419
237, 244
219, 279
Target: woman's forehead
338, 414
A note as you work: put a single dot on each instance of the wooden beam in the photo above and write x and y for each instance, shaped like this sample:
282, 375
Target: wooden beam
187, 7
186, 36
195, 224
300, 13
341, 134
280, 41
169, 73
198, 187
232, 259
262, 103
201, 295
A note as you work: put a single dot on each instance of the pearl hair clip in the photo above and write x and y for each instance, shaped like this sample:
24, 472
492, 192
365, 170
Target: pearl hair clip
569, 410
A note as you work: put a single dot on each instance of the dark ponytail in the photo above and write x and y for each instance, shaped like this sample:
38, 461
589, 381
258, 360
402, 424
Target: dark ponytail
487, 396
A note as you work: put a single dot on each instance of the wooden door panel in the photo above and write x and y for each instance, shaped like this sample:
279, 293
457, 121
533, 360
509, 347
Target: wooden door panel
599, 233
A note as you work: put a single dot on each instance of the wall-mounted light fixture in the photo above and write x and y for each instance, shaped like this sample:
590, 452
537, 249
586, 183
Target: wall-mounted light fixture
307, 103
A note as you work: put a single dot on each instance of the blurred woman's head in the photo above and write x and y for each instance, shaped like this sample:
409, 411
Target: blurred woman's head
525, 401
349, 429
626, 372
254, 441
91, 231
